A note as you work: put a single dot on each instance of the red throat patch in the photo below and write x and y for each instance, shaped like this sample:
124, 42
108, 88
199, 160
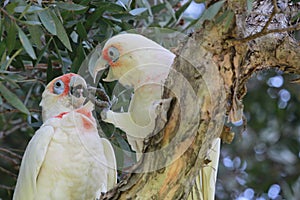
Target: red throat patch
87, 124
61, 115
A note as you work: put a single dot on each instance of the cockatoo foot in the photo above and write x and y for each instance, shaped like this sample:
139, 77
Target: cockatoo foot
103, 114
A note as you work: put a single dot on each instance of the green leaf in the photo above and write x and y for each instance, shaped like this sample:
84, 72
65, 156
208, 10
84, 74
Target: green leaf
30, 9
124, 3
12, 79
42, 53
36, 32
6, 64
49, 72
26, 43
137, 11
70, 6
182, 9
13, 100
2, 48
229, 19
108, 7
61, 32
10, 8
48, 21
79, 58
158, 8
222, 16
63, 60
170, 10
81, 31
101, 8
211, 12
226, 18
30, 23
11, 35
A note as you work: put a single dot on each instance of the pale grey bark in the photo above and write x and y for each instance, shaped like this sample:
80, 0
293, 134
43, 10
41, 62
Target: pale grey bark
217, 61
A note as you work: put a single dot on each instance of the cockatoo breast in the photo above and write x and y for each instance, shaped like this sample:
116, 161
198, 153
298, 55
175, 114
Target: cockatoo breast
75, 146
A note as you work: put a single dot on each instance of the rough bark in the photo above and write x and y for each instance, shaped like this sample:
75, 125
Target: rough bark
216, 61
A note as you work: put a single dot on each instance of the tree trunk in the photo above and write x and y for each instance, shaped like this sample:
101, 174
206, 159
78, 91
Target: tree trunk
208, 84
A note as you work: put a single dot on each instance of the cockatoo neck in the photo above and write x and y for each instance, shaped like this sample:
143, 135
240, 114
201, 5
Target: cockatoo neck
53, 106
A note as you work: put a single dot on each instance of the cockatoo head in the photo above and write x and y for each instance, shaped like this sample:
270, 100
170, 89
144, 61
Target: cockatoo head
127, 52
63, 94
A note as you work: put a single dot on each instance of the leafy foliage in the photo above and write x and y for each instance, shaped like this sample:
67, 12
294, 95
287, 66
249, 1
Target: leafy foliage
43, 39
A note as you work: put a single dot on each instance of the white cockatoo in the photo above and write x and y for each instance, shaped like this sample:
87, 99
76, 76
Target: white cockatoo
141, 63
66, 159
137, 62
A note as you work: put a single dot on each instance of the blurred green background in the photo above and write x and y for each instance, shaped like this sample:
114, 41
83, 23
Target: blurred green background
43, 39
263, 162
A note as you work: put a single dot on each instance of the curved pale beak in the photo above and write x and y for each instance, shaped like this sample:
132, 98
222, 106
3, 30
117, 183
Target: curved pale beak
78, 88
96, 66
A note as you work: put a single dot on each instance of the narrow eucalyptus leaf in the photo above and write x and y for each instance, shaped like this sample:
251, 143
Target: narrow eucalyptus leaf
47, 21
212, 11
26, 44
70, 6
13, 99
61, 32
137, 11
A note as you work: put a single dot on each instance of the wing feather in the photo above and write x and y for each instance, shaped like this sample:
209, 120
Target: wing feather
111, 163
32, 162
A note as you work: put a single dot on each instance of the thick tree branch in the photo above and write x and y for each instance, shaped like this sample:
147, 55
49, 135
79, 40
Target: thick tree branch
211, 58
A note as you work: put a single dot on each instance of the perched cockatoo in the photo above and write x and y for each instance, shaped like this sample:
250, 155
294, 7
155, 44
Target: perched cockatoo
142, 64
66, 159
139, 62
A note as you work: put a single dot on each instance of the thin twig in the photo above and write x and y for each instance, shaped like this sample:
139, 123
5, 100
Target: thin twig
8, 172
16, 111
7, 14
274, 11
13, 129
266, 32
9, 159
7, 187
275, 7
10, 153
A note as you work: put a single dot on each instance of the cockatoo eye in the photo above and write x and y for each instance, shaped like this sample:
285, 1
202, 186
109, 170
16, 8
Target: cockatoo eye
58, 87
113, 54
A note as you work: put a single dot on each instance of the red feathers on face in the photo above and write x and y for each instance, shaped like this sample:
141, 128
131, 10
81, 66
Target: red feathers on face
66, 80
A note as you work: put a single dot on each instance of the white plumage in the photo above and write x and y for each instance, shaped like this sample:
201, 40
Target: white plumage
141, 63
66, 159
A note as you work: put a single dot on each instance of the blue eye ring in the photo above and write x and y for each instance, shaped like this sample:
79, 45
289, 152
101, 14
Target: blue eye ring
58, 87
113, 53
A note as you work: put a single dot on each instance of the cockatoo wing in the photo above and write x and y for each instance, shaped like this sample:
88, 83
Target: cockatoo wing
31, 164
205, 183
209, 172
111, 163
